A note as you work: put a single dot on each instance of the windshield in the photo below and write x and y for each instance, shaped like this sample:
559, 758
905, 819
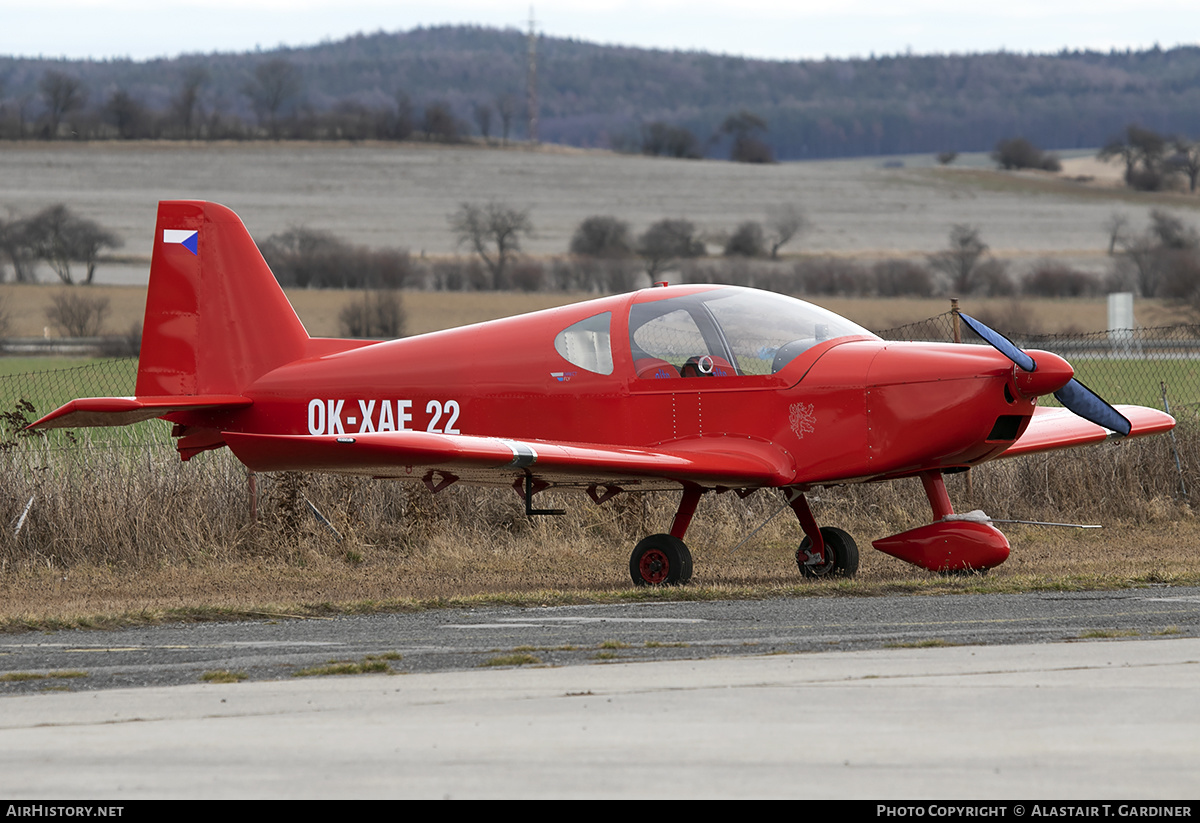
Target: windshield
728, 331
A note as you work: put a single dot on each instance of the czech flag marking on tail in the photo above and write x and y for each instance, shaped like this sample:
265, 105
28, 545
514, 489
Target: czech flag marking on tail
188, 238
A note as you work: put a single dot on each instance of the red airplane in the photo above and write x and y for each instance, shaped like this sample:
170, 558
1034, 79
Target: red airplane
692, 388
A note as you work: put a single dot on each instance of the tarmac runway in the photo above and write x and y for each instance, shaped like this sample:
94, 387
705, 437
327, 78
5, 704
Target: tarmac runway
1079, 718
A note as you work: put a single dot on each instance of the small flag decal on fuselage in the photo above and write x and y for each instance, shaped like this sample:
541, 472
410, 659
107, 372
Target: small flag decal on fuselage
188, 238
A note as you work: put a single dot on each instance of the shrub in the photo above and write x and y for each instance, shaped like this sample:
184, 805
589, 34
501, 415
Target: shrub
991, 279
746, 241
310, 258
1019, 153
664, 139
748, 149
831, 276
77, 315
374, 314
1058, 280
900, 278
602, 236
527, 276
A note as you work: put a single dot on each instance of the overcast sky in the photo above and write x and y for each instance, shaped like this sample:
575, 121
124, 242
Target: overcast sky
780, 29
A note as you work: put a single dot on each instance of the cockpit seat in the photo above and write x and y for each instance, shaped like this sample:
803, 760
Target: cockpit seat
652, 368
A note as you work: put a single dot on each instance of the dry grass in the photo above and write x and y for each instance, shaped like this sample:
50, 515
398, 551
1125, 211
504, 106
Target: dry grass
115, 540
433, 310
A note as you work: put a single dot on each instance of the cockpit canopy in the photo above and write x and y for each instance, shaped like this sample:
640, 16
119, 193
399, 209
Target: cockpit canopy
720, 332
731, 330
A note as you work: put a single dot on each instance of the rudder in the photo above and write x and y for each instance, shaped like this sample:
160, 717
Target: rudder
216, 319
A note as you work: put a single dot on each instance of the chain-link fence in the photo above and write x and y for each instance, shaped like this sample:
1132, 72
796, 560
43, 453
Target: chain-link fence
1143, 366
1126, 366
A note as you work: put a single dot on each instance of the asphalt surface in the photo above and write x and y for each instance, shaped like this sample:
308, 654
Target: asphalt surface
452, 640
1045, 696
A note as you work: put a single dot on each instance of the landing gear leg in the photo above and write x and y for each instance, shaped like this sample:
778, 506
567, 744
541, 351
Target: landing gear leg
664, 559
824, 552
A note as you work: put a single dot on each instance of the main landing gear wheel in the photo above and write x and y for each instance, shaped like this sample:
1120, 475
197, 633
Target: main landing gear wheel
660, 560
841, 555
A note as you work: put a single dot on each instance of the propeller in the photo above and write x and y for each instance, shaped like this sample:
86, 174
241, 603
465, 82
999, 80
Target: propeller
1075, 396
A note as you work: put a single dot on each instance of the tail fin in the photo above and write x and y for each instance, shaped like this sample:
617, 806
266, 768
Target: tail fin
216, 319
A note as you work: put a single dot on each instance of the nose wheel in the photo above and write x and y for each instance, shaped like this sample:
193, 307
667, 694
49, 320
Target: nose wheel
660, 560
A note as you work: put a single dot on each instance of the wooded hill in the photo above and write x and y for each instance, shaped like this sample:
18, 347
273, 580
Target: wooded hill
605, 96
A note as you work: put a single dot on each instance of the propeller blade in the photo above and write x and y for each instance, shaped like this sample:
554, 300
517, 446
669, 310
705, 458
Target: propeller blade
1075, 396
1001, 343
1090, 406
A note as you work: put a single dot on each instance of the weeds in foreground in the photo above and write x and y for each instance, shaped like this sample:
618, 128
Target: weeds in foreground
133, 536
371, 664
16, 677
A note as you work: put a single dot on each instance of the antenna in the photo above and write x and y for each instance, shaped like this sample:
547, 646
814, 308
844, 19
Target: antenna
532, 99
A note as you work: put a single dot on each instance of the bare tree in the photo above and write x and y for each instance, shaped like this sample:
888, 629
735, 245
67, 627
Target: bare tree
440, 124
17, 246
1187, 160
1162, 261
60, 237
77, 315
274, 83
1117, 226
483, 119
666, 242
960, 262
783, 224
89, 238
506, 107
1141, 150
493, 231
62, 93
404, 117
127, 114
186, 102
744, 127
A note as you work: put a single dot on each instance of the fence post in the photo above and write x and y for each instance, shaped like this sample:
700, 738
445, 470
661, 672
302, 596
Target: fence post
957, 324
252, 486
1174, 444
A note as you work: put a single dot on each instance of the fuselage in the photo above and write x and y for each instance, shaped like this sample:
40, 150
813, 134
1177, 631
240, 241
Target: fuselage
842, 404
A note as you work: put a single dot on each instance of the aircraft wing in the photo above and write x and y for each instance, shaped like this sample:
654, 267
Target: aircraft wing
1055, 428
708, 461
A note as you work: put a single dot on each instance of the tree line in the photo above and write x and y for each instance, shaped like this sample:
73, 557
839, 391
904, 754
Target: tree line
469, 80
605, 255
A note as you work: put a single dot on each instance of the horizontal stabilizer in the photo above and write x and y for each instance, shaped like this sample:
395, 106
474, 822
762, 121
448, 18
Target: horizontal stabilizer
122, 411
1054, 428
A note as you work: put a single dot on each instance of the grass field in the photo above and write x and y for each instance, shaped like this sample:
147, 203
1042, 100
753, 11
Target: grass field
400, 195
133, 535
1124, 381
430, 311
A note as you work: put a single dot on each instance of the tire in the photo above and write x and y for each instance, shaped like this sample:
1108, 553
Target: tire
841, 555
660, 560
